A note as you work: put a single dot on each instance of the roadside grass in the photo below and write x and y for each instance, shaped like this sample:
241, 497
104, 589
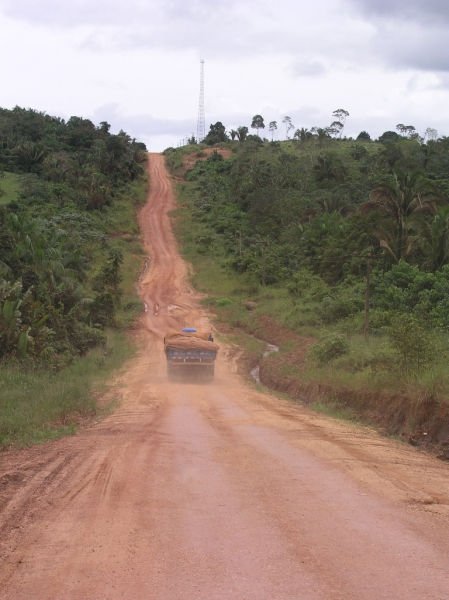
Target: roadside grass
38, 405
9, 187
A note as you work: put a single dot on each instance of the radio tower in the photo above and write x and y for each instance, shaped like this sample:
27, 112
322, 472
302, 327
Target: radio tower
201, 123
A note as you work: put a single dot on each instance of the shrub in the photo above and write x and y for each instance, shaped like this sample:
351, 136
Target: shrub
330, 348
304, 284
412, 343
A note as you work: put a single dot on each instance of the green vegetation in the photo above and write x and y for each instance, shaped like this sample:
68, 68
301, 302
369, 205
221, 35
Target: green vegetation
343, 240
38, 405
69, 259
9, 187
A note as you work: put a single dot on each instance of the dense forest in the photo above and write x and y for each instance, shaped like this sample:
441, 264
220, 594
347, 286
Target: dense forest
59, 270
357, 231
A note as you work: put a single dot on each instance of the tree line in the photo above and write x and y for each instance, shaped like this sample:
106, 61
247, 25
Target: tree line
218, 133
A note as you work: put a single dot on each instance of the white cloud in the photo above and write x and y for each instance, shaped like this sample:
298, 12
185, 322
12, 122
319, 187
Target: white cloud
136, 64
308, 68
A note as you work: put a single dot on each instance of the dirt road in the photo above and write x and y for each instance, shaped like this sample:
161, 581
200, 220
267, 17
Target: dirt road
213, 492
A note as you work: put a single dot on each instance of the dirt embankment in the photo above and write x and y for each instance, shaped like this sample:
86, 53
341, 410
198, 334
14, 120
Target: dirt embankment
420, 420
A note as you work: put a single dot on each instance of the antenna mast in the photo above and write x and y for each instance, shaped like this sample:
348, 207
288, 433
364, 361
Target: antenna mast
201, 123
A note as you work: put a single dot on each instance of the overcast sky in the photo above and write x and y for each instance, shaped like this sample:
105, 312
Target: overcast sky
136, 64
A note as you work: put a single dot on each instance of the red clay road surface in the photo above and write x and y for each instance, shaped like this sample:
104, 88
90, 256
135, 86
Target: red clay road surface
217, 491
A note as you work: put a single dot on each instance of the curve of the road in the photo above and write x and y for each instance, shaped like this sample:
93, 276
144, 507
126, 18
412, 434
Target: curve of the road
204, 492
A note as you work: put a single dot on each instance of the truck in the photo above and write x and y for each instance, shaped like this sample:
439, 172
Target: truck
190, 352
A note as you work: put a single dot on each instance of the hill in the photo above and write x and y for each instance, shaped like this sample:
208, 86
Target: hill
343, 241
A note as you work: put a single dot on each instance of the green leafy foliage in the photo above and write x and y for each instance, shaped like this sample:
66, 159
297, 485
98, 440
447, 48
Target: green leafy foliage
413, 344
311, 213
60, 272
329, 348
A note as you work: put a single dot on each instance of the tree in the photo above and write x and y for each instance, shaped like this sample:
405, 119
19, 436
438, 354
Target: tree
388, 136
29, 156
80, 133
321, 133
434, 240
411, 132
431, 134
104, 127
234, 134
363, 136
216, 134
302, 134
407, 130
257, 123
341, 115
413, 344
272, 127
288, 125
340, 120
242, 133
329, 167
335, 128
399, 201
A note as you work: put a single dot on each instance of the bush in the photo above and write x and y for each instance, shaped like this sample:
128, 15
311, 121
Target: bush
304, 284
412, 343
223, 302
330, 348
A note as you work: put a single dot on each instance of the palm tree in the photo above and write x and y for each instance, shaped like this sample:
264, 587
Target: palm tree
401, 201
434, 240
302, 134
242, 133
328, 167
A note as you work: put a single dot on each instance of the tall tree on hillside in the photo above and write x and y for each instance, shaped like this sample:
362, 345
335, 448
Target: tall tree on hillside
431, 134
242, 133
216, 134
288, 125
363, 136
335, 129
257, 123
302, 134
272, 127
399, 202
322, 134
408, 131
340, 117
